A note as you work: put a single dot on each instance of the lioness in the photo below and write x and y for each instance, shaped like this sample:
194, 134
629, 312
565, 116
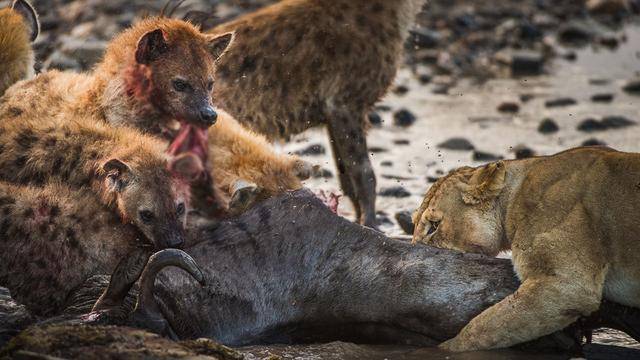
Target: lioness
571, 222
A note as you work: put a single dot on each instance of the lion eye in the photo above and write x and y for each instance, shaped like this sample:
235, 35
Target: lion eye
433, 227
146, 216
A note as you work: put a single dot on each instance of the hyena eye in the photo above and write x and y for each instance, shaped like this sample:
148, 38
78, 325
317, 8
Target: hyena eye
181, 85
210, 85
146, 216
180, 209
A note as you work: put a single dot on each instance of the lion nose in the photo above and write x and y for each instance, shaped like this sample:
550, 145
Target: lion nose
208, 115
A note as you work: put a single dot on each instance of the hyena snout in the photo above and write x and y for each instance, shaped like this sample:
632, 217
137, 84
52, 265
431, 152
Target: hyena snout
170, 239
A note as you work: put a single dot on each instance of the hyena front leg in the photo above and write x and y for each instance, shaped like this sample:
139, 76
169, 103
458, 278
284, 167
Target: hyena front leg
358, 181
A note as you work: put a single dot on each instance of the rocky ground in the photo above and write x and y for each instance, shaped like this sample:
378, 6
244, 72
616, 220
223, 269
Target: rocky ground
481, 82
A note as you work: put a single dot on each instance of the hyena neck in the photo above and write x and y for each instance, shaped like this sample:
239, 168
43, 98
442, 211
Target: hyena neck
125, 98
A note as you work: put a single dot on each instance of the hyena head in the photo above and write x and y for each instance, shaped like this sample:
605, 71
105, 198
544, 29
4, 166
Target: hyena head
151, 197
174, 70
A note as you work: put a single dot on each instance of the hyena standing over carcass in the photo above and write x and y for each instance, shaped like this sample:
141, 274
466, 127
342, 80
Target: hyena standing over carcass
302, 63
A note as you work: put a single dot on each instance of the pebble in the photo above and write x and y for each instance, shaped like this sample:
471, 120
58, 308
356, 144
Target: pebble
591, 125
593, 142
395, 191
602, 98
386, 163
405, 221
485, 156
526, 63
617, 122
456, 143
377, 149
607, 122
548, 126
432, 179
632, 86
575, 33
403, 118
375, 119
400, 90
509, 107
315, 149
523, 152
401, 142
566, 101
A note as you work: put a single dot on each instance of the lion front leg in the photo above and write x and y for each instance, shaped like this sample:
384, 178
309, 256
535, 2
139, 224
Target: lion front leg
539, 307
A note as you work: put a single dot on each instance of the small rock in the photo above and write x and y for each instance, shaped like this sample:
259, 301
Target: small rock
575, 33
386, 163
548, 126
632, 86
599, 82
400, 90
375, 119
425, 79
560, 102
404, 220
403, 118
395, 191
617, 122
401, 142
321, 173
509, 107
383, 108
570, 56
432, 179
526, 97
377, 149
593, 142
461, 144
526, 63
591, 125
523, 152
602, 98
315, 149
485, 156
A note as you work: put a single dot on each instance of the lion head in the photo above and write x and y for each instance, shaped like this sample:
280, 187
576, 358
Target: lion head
461, 211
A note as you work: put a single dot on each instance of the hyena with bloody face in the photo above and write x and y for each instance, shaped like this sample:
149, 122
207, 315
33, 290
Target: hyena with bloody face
157, 77
303, 63
19, 26
53, 238
128, 171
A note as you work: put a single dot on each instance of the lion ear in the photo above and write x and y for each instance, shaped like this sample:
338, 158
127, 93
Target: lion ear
485, 183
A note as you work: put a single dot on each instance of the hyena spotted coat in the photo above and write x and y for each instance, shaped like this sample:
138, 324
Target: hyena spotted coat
158, 76
128, 171
53, 238
303, 63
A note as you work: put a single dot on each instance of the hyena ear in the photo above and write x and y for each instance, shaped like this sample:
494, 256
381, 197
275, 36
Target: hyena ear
485, 183
188, 166
219, 44
151, 46
30, 16
117, 172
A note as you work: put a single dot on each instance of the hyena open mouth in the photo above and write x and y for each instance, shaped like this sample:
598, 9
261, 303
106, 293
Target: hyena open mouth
191, 141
